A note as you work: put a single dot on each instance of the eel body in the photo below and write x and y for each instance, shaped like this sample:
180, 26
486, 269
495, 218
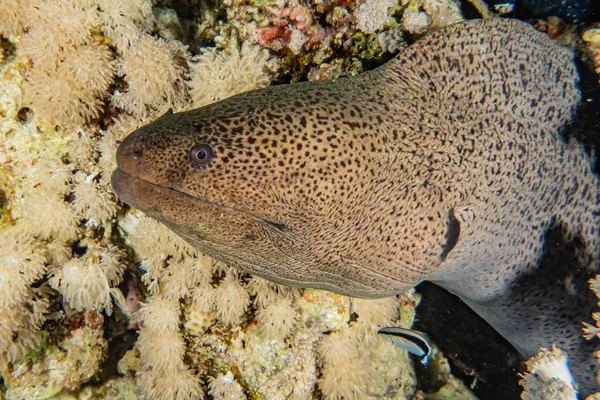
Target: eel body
460, 162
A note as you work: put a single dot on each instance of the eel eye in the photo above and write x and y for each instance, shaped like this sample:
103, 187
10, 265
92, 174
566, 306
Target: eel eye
201, 154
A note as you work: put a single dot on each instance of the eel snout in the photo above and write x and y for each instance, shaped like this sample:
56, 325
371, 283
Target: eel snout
130, 157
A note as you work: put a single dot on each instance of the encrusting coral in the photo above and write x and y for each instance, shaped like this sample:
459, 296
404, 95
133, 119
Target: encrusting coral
373, 15
198, 319
592, 39
75, 358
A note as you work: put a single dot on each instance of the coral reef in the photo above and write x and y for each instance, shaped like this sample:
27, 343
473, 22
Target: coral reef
22, 307
372, 16
331, 38
421, 16
62, 366
77, 76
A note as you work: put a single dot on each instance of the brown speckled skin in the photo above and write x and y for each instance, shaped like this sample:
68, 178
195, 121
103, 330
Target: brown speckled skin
446, 164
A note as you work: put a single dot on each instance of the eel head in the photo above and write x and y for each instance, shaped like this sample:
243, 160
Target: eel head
269, 188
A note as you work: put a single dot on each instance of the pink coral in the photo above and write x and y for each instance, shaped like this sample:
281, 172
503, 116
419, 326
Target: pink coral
275, 37
291, 26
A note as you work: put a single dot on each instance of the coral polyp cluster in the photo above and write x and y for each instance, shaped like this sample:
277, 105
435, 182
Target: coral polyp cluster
22, 307
71, 71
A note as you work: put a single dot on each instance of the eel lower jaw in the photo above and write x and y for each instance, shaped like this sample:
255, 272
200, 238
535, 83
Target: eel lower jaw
132, 190
149, 198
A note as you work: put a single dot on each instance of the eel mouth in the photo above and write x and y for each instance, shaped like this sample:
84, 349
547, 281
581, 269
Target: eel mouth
141, 194
138, 192
163, 202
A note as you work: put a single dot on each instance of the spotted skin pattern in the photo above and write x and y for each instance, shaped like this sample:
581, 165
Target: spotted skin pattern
450, 163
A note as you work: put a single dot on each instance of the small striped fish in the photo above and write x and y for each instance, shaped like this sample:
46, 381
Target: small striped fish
415, 342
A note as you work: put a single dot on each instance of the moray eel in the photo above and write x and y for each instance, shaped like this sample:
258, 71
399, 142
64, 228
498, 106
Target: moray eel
459, 162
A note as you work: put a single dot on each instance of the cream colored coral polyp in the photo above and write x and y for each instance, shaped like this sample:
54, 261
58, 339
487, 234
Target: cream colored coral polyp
277, 320
231, 300
125, 21
224, 386
217, 74
155, 85
93, 203
71, 71
89, 282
